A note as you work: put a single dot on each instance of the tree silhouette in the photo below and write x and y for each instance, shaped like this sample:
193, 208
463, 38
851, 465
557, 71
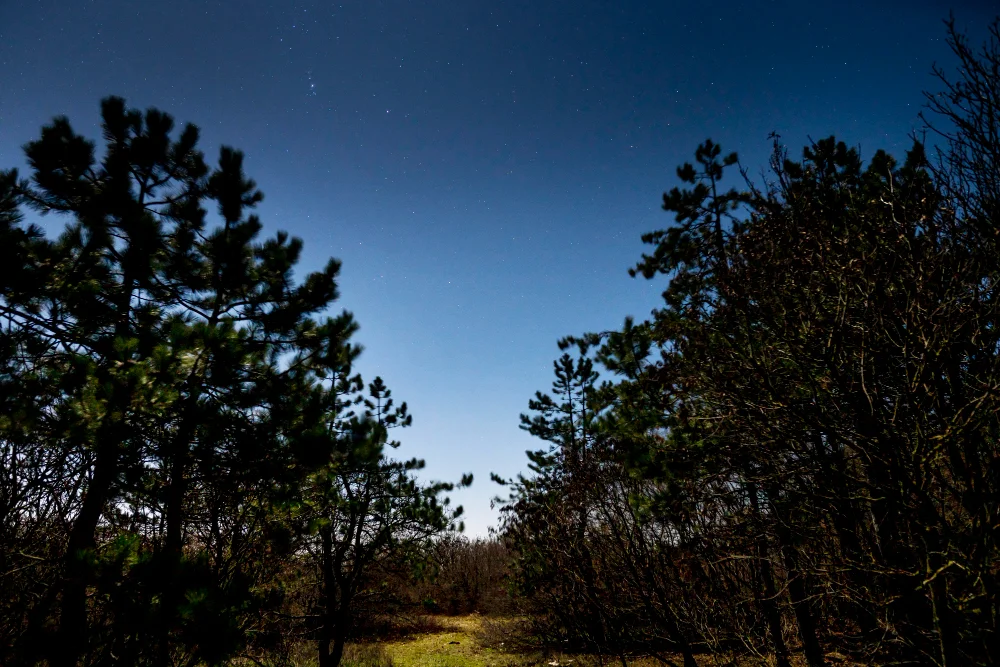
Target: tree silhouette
171, 391
805, 432
362, 510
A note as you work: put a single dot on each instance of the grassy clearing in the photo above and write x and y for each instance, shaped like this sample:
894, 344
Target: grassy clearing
457, 646
475, 641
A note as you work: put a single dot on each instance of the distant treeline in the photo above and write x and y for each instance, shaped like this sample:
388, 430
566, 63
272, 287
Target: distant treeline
799, 452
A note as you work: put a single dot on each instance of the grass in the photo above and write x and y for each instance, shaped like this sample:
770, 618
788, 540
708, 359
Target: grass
456, 646
472, 641
475, 641
366, 655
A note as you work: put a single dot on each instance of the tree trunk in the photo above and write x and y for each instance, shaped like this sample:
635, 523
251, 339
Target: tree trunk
765, 583
765, 576
173, 551
800, 605
331, 646
72, 634
71, 638
336, 617
338, 651
797, 589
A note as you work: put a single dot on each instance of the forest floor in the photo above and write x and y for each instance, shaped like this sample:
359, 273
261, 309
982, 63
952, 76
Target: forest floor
469, 641
479, 641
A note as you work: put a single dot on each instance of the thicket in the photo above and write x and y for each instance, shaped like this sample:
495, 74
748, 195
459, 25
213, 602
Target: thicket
466, 576
798, 452
183, 440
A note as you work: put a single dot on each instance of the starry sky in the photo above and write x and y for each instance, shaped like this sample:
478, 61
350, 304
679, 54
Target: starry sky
484, 169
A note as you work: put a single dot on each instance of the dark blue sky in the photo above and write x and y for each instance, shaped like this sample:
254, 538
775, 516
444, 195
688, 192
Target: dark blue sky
483, 169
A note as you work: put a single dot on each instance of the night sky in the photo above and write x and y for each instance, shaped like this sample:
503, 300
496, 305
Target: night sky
483, 169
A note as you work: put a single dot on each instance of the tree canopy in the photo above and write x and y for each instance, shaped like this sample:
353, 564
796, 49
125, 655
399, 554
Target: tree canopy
804, 434
173, 397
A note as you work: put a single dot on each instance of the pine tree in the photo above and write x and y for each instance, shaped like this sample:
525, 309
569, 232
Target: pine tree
568, 420
362, 510
158, 330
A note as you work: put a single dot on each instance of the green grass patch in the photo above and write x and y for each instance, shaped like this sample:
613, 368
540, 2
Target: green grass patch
474, 641
456, 647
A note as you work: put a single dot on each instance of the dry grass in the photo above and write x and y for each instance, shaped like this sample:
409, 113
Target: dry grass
366, 655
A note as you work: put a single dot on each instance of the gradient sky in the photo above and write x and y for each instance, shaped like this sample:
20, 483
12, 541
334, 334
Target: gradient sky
483, 169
